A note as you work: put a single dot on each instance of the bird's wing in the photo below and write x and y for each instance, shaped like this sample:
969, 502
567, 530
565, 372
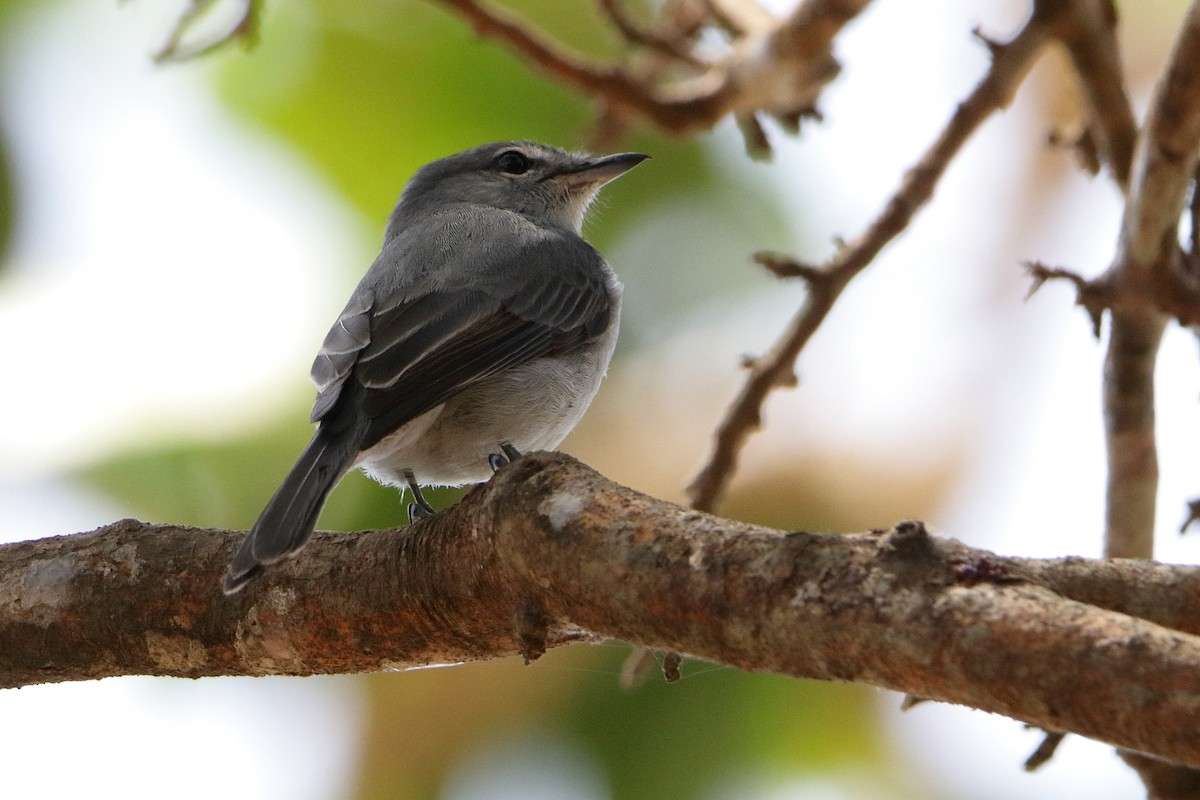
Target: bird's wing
341, 348
421, 349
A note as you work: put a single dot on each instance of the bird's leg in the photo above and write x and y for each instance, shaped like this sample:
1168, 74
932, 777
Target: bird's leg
496, 460
418, 509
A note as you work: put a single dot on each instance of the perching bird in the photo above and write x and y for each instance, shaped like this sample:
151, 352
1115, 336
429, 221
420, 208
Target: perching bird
482, 330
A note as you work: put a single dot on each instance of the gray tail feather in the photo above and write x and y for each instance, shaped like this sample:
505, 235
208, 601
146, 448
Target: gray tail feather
289, 518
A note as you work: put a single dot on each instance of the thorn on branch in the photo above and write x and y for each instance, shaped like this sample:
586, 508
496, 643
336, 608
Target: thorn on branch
911, 700
671, 662
758, 145
787, 267
532, 627
1193, 515
792, 120
906, 537
1089, 295
1045, 751
910, 529
1082, 144
995, 48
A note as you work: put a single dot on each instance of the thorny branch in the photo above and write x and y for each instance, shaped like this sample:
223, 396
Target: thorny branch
776, 67
549, 552
825, 283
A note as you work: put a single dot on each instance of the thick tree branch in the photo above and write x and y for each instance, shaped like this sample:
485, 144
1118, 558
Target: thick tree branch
550, 552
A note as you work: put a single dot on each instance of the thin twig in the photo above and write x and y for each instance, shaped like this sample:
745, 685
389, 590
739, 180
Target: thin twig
1045, 751
1011, 63
680, 21
1193, 515
1091, 296
612, 84
635, 34
1089, 33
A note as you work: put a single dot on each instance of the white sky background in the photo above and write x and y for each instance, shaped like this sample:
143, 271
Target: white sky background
154, 227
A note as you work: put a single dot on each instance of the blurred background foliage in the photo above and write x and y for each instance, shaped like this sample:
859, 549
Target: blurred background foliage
367, 91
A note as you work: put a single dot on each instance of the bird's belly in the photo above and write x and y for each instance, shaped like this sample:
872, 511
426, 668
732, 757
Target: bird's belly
532, 407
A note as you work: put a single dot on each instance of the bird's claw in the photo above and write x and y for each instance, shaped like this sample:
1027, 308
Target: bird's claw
497, 460
418, 512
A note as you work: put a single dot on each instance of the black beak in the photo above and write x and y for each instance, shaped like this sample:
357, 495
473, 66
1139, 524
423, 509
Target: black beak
598, 171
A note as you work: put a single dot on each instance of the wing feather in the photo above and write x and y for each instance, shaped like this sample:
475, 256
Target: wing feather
339, 352
420, 349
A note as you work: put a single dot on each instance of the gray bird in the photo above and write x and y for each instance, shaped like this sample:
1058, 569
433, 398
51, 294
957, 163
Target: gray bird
482, 330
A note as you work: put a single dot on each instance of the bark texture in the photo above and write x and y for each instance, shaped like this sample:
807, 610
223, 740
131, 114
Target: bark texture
551, 552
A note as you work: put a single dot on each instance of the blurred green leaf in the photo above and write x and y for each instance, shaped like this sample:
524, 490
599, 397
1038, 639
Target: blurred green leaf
663, 740
226, 484
677, 740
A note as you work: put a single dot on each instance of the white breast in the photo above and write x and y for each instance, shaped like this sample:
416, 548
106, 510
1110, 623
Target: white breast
532, 407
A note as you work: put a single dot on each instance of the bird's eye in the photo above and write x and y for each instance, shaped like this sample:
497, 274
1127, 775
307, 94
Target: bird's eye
512, 163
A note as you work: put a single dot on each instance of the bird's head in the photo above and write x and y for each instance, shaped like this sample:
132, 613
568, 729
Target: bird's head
548, 185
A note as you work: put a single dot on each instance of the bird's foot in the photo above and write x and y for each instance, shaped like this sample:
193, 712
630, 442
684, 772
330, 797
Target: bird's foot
418, 512
419, 509
497, 460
